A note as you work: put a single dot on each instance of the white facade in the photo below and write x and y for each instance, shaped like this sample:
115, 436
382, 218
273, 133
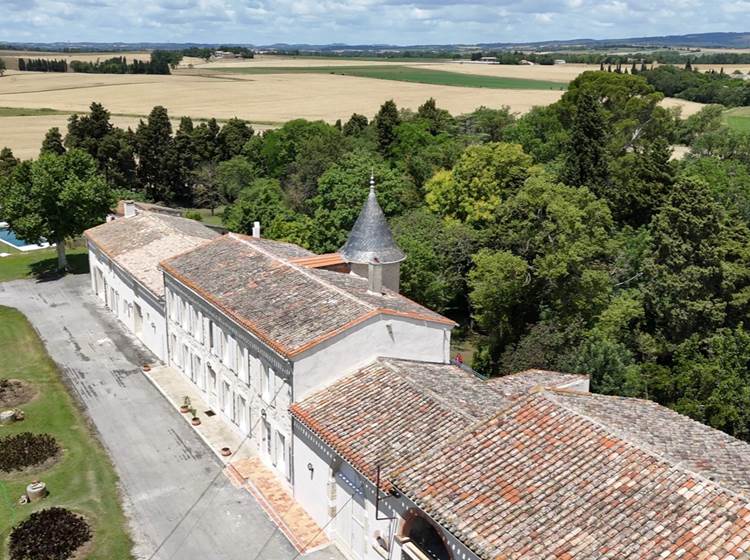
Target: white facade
343, 501
133, 304
251, 386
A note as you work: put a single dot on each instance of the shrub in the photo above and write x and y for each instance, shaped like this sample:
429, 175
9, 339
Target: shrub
26, 449
49, 534
192, 215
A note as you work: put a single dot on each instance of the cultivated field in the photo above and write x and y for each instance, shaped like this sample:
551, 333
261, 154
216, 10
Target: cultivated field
271, 90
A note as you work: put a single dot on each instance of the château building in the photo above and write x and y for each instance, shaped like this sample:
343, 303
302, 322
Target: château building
345, 389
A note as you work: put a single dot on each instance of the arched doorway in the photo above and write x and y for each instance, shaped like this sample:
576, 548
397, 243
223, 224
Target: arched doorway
424, 540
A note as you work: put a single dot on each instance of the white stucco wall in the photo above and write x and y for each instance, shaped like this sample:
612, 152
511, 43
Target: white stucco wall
243, 378
323, 493
381, 336
153, 327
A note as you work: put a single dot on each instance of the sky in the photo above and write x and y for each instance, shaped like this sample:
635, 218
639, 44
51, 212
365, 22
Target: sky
400, 22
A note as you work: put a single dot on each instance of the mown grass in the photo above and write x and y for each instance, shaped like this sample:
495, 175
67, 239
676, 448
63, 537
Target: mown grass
738, 119
39, 264
83, 480
403, 74
208, 218
28, 112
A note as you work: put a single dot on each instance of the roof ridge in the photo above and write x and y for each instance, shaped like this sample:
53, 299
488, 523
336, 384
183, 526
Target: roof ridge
634, 442
426, 390
304, 272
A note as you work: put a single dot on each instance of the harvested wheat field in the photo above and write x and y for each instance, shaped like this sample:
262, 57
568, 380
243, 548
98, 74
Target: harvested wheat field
265, 99
259, 98
11, 57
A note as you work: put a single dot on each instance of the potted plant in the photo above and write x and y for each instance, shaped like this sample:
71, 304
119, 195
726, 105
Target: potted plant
226, 452
185, 408
146, 368
195, 421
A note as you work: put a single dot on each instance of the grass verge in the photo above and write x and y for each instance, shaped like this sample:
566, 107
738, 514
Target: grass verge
41, 264
83, 480
404, 74
737, 119
27, 112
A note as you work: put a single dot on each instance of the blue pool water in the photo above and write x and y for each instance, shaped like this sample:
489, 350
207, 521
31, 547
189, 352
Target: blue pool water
10, 237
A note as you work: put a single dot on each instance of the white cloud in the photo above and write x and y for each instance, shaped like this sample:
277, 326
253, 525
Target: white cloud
361, 21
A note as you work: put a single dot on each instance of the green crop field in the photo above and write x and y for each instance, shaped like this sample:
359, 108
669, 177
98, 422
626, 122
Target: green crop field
83, 480
738, 119
403, 74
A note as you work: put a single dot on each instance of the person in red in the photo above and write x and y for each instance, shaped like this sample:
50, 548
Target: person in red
459, 359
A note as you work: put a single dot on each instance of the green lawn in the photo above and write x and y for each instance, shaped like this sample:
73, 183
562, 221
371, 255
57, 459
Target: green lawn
24, 112
404, 74
208, 219
39, 264
738, 119
83, 480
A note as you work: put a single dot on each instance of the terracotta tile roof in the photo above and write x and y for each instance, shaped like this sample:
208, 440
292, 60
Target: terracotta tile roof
138, 243
290, 307
320, 261
548, 477
522, 382
708, 452
392, 409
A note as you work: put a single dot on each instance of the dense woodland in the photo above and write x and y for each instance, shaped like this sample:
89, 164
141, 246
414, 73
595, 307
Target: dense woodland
564, 239
160, 62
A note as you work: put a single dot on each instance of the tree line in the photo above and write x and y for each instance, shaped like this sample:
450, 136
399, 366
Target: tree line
603, 57
42, 65
160, 62
567, 238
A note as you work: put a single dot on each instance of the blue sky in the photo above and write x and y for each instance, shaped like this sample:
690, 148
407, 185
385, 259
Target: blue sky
362, 21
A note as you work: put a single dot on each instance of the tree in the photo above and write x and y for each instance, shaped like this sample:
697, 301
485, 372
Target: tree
158, 164
438, 258
355, 125
685, 294
206, 192
482, 178
55, 198
342, 191
437, 120
2, 67
233, 136
712, 380
7, 161
489, 124
233, 176
386, 122
87, 131
586, 160
53, 142
262, 201
499, 284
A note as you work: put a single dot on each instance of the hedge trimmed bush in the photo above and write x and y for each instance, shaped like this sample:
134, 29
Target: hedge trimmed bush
50, 534
25, 450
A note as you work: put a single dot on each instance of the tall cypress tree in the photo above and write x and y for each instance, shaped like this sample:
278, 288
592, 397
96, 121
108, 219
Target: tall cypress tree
586, 160
157, 162
53, 142
386, 122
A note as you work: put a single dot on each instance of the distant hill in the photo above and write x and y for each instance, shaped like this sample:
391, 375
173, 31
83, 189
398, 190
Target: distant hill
693, 40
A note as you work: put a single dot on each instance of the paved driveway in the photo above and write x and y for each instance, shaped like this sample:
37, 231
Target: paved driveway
162, 464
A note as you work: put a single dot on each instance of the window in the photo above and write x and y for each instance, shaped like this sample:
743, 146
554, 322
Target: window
280, 456
212, 336
243, 365
266, 383
173, 348
266, 435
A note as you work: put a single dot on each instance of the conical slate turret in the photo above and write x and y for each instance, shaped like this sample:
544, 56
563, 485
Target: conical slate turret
370, 239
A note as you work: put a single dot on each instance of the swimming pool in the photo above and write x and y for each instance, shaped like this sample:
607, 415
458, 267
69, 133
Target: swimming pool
9, 238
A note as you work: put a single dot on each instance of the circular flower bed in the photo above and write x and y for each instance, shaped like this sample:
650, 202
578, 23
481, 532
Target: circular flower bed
26, 450
50, 534
14, 392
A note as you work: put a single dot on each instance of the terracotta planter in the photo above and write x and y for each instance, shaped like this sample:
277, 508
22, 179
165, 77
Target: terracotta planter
195, 421
226, 452
146, 368
184, 409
